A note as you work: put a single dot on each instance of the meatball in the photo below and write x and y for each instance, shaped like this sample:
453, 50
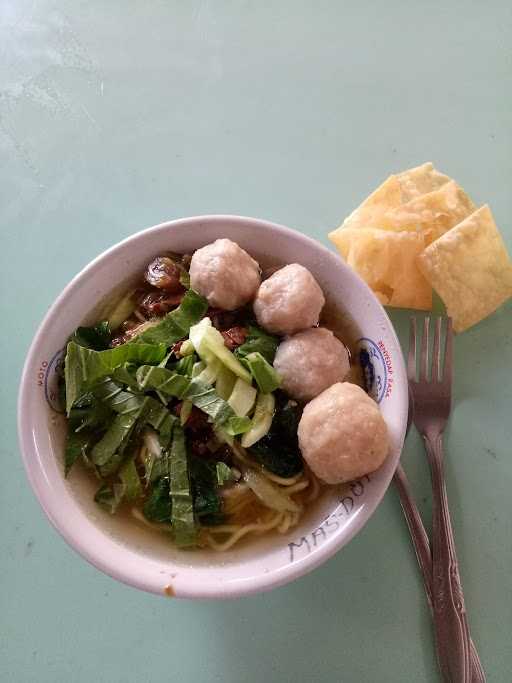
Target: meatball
342, 434
289, 301
311, 361
224, 274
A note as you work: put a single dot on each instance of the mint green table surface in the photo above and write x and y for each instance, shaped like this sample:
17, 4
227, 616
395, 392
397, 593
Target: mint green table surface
118, 115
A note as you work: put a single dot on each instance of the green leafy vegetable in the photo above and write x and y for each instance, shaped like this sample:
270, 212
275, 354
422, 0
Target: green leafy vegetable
163, 380
209, 343
118, 399
77, 444
122, 310
278, 451
94, 415
237, 425
155, 457
133, 411
186, 348
224, 473
150, 454
176, 324
127, 486
258, 341
96, 337
130, 480
185, 365
185, 412
159, 467
158, 507
261, 420
127, 403
125, 374
200, 394
266, 377
210, 372
84, 367
207, 500
109, 497
185, 279
114, 440
242, 398
84, 401
198, 368
208, 508
112, 465
225, 382
161, 419
182, 516
112, 409
286, 419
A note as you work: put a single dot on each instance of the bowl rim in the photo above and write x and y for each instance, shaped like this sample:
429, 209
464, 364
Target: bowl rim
234, 588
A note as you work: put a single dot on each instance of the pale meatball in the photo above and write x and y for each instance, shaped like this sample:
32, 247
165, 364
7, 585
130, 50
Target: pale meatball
289, 301
342, 434
224, 274
311, 361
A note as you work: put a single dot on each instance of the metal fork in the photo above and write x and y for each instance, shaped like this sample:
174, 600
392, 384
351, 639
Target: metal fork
432, 405
421, 544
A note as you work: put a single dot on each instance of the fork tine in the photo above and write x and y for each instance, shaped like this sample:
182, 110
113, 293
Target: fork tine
436, 353
424, 351
448, 355
411, 358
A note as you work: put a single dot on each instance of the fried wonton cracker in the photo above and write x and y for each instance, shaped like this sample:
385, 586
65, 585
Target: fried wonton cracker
394, 192
370, 213
420, 180
470, 269
387, 262
433, 213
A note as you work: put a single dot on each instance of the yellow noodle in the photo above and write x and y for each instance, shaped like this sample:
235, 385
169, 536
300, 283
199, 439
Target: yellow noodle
241, 506
223, 528
299, 486
240, 453
285, 524
282, 481
233, 495
257, 528
314, 489
294, 518
235, 504
253, 511
234, 491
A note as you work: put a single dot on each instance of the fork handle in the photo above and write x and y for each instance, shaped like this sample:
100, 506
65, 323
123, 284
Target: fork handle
421, 546
450, 620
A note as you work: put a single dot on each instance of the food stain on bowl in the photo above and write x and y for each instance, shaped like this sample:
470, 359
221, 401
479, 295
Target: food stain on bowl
169, 591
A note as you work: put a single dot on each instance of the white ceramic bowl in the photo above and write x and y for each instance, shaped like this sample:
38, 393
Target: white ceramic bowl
146, 560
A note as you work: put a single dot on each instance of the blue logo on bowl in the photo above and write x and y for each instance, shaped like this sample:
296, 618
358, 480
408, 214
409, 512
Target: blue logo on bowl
53, 371
375, 362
